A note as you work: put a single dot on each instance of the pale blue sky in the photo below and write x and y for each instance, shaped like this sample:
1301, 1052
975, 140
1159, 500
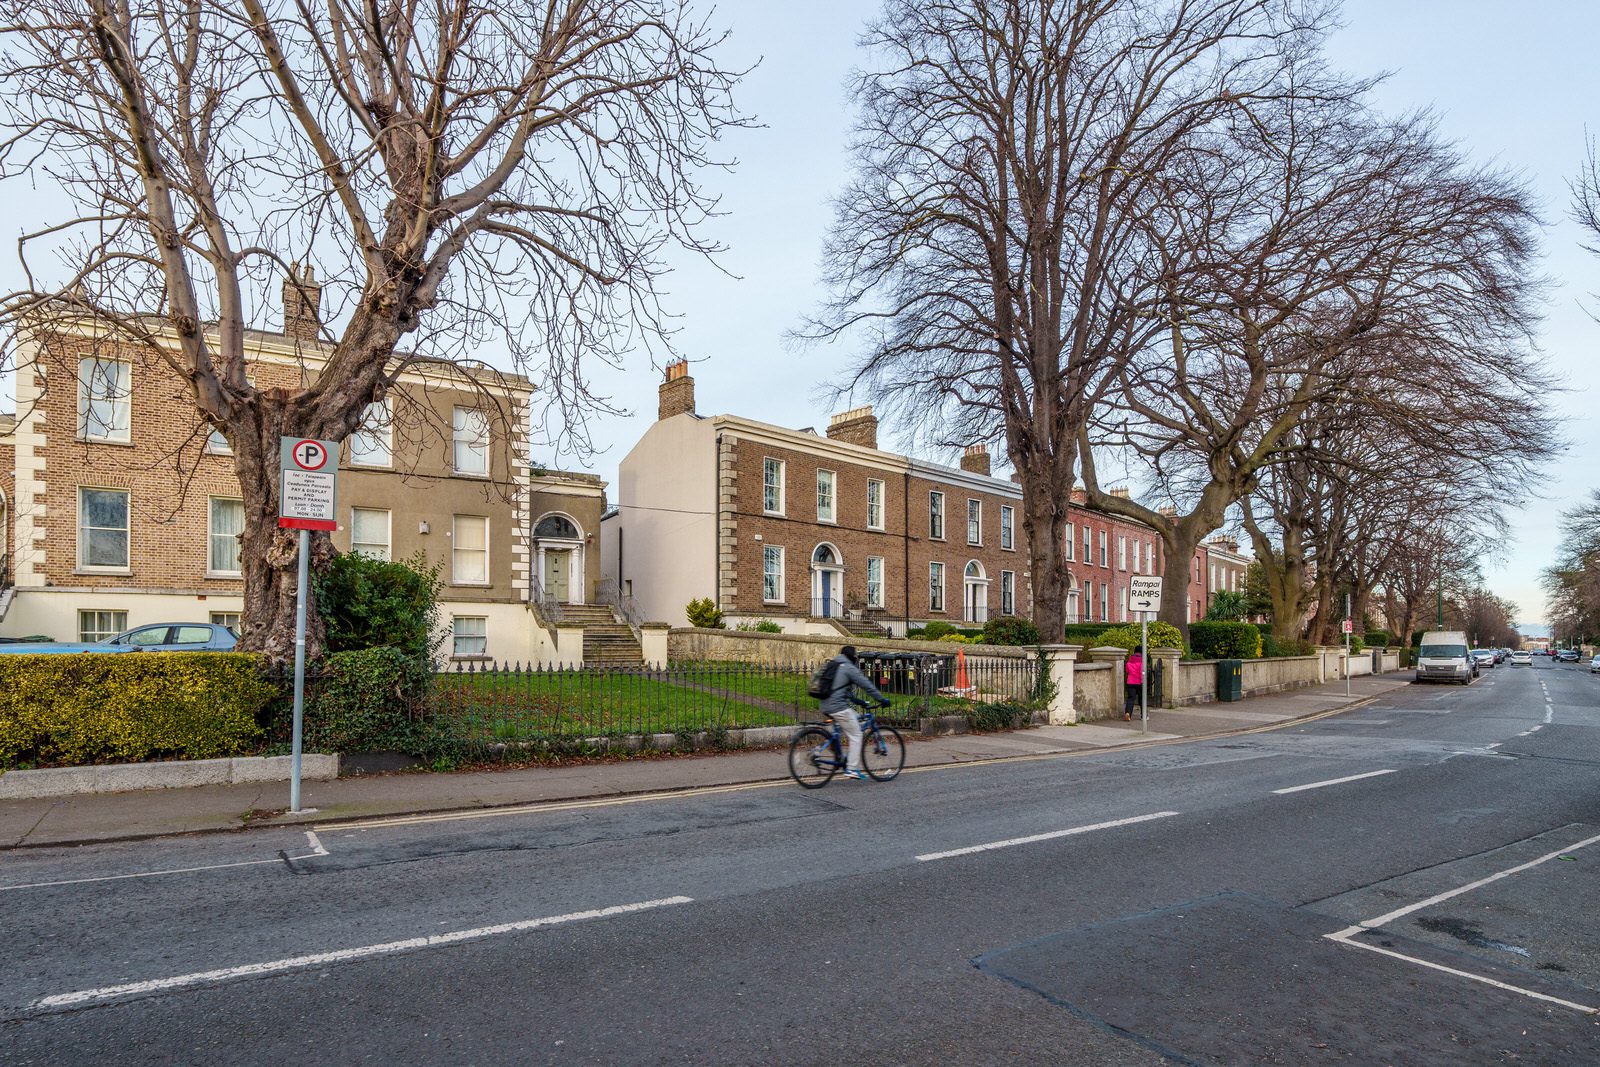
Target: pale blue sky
1512, 82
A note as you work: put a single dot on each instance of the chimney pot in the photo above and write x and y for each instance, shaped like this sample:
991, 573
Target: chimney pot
976, 459
677, 391
858, 426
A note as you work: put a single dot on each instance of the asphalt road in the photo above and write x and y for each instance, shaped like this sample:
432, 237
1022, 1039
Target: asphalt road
1414, 881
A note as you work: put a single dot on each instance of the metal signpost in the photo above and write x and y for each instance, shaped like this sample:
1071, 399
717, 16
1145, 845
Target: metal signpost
1144, 596
307, 494
1349, 628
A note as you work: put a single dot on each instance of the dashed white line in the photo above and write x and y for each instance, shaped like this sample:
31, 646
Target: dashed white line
1033, 838
1331, 781
316, 850
294, 963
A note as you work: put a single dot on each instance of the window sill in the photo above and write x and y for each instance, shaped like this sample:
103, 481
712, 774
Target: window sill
226, 576
353, 465
472, 585
91, 571
826, 522
774, 514
484, 475
473, 657
113, 442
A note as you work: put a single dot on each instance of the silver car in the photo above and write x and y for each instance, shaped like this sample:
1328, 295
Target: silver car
159, 637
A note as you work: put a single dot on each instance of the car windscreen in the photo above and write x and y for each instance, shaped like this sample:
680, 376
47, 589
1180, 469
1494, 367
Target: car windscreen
1443, 651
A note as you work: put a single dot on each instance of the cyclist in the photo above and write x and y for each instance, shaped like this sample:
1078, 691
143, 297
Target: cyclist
847, 678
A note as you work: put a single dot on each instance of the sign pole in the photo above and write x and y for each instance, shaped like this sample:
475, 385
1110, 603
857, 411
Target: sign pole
1349, 626
299, 668
1144, 672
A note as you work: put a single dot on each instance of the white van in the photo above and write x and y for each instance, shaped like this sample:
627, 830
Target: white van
1443, 657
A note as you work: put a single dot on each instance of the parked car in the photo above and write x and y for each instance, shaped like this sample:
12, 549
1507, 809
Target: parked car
1594, 665
160, 637
1519, 658
1443, 657
1486, 657
1567, 655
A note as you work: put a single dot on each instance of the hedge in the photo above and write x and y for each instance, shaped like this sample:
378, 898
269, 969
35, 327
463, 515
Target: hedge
369, 700
1086, 634
1010, 630
1378, 638
1162, 635
1225, 640
66, 709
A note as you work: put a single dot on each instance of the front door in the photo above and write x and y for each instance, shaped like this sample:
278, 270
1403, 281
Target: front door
557, 566
827, 594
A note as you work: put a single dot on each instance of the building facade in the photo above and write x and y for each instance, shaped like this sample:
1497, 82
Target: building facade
124, 509
799, 527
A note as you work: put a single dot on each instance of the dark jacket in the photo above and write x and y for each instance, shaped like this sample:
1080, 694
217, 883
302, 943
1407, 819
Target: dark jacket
846, 676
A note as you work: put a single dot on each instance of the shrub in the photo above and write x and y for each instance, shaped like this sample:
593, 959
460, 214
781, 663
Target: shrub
760, 626
110, 708
1010, 630
704, 613
1357, 644
1086, 634
374, 603
1226, 606
1225, 640
1000, 715
1378, 638
368, 700
1162, 635
937, 629
956, 639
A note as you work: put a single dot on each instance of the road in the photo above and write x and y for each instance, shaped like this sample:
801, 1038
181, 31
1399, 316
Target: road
1414, 881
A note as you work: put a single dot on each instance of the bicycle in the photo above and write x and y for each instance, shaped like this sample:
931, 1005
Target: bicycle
816, 753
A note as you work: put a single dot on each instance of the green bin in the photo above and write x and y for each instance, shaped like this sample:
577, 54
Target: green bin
1230, 679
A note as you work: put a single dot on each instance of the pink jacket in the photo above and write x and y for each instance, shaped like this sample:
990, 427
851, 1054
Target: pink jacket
1134, 668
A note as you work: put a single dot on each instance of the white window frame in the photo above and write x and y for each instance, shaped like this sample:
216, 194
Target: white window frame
770, 488
974, 522
464, 443
213, 538
1008, 528
126, 528
874, 585
1105, 557
1072, 533
456, 550
120, 427
1008, 592
115, 618
1138, 554
935, 587
827, 511
1105, 602
216, 444
1122, 552
372, 445
388, 534
221, 618
935, 515
874, 503
771, 554
456, 637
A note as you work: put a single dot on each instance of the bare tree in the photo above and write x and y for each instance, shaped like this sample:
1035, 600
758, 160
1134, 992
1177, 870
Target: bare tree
460, 174
990, 252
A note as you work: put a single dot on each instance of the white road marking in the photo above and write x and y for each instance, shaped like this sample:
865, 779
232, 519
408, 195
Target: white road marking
1052, 835
317, 849
1464, 974
293, 963
1549, 714
1332, 781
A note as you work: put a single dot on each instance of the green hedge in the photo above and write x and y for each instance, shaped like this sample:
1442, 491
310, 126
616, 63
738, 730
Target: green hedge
1086, 634
370, 700
1010, 630
1162, 635
1378, 638
1224, 640
66, 709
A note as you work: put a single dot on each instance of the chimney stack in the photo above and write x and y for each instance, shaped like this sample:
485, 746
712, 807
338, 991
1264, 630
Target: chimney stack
677, 392
858, 426
302, 304
1122, 493
976, 459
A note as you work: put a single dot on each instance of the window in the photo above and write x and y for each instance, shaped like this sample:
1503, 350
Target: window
874, 581
1213, 585
1008, 593
1072, 533
104, 390
1088, 548
101, 625
1104, 561
103, 528
227, 523
772, 486
1105, 602
1149, 557
874, 504
369, 532
1122, 553
825, 512
936, 516
974, 522
470, 436
372, 444
230, 619
555, 528
217, 444
469, 635
772, 574
1008, 535
936, 587
469, 550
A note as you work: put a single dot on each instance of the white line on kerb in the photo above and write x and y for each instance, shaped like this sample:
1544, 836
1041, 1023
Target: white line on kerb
1332, 781
1052, 835
255, 970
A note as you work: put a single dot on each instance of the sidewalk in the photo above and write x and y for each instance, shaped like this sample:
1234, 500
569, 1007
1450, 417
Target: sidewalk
159, 812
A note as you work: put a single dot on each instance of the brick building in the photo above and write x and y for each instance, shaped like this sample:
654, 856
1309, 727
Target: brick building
120, 507
804, 528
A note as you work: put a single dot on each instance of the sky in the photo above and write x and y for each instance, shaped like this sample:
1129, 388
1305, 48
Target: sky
1511, 81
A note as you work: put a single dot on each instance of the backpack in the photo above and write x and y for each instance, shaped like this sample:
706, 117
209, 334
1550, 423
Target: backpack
821, 683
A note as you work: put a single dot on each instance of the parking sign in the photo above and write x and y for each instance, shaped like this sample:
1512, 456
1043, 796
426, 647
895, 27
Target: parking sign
308, 484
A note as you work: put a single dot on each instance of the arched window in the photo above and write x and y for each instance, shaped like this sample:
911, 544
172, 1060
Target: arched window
974, 569
824, 556
557, 527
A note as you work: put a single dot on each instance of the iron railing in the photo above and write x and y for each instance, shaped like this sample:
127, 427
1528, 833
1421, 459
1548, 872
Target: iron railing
978, 613
609, 594
547, 606
5, 572
827, 608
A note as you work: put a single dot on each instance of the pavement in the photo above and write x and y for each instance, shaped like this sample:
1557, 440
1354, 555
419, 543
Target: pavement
92, 818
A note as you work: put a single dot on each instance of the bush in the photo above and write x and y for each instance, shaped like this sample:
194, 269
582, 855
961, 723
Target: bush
1225, 640
1227, 606
66, 710
1010, 630
1162, 635
374, 603
704, 613
369, 700
1086, 634
1378, 638
957, 639
760, 626
1000, 715
937, 629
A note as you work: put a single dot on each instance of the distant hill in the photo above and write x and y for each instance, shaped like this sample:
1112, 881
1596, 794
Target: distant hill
1530, 629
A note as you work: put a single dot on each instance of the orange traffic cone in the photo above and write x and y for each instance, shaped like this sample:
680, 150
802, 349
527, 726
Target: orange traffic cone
961, 670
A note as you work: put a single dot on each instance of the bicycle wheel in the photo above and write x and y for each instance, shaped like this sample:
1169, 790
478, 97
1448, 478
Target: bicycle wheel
883, 753
811, 759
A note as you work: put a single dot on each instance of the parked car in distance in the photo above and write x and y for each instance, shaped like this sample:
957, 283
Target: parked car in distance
1567, 655
159, 637
1486, 657
1594, 665
1519, 658
1443, 657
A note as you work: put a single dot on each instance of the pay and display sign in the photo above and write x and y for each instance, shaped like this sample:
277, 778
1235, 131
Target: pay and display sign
1144, 593
308, 485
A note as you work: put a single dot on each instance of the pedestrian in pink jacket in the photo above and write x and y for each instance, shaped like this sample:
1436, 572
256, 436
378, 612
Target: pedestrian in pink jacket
1133, 679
